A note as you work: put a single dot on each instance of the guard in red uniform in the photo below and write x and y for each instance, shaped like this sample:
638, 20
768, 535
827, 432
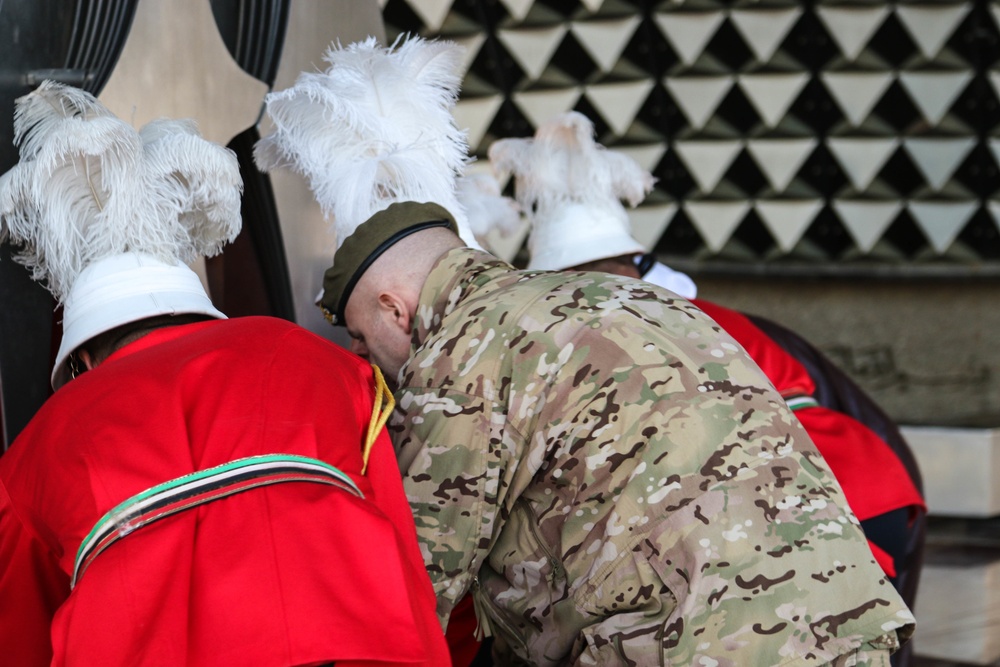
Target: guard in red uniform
198, 491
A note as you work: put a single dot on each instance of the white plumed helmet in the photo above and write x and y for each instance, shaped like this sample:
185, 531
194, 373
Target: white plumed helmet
572, 188
107, 217
374, 129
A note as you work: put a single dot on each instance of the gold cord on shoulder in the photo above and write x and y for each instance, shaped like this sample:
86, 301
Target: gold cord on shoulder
383, 407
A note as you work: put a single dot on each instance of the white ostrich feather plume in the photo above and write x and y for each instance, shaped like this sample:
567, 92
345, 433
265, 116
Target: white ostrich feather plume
486, 208
89, 186
375, 128
563, 164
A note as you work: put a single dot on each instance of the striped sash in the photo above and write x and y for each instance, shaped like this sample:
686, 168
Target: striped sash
201, 487
801, 401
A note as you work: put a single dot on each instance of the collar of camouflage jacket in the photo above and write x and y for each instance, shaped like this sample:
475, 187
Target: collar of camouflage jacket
458, 274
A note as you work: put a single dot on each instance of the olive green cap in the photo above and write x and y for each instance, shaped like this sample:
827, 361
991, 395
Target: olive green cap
372, 238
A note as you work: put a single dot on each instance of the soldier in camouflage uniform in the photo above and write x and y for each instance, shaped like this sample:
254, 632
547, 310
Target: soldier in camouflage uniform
599, 463
615, 479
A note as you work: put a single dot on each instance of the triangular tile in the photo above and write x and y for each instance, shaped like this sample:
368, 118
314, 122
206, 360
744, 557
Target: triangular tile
698, 96
592, 5
646, 156
533, 48
788, 219
780, 159
995, 77
772, 94
707, 161
937, 158
862, 158
648, 222
618, 103
994, 207
541, 106
689, 32
716, 221
518, 9
474, 115
857, 93
995, 148
605, 40
471, 43
865, 220
930, 26
851, 26
764, 29
431, 12
935, 92
941, 221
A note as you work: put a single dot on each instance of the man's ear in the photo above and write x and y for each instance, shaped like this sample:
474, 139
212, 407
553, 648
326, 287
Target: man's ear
394, 305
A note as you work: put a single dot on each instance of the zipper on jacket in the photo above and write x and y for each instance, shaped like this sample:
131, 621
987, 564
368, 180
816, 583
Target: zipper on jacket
483, 605
558, 569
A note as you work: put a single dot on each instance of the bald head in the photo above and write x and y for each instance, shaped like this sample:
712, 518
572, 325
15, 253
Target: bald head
382, 307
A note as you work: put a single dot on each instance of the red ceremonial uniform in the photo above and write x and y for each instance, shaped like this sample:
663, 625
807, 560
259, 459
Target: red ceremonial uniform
874, 480
297, 573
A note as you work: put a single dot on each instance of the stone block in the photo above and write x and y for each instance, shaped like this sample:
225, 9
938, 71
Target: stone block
960, 468
958, 606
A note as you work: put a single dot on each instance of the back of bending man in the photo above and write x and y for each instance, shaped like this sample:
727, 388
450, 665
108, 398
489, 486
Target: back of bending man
607, 472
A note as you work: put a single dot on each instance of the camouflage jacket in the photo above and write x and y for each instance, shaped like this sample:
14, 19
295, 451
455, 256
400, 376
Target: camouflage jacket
618, 483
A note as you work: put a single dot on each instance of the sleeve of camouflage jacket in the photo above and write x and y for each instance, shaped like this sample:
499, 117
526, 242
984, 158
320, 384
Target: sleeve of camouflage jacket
449, 433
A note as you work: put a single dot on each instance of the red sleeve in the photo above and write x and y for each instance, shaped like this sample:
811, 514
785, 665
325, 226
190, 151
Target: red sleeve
31, 589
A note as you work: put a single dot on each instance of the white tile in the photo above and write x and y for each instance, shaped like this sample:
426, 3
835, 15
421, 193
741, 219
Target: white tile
764, 29
533, 47
605, 40
780, 159
941, 221
646, 155
716, 221
432, 12
474, 115
708, 160
649, 222
934, 92
689, 32
698, 96
472, 44
857, 93
937, 158
788, 219
866, 220
772, 94
930, 26
851, 26
618, 103
541, 106
994, 209
862, 158
518, 8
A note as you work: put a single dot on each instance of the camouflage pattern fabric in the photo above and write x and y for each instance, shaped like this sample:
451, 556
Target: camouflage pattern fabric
618, 483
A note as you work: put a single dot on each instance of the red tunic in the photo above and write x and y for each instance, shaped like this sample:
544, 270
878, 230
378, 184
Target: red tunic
874, 480
291, 574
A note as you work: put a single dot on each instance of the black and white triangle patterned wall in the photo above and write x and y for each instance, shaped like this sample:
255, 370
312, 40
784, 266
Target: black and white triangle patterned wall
827, 131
